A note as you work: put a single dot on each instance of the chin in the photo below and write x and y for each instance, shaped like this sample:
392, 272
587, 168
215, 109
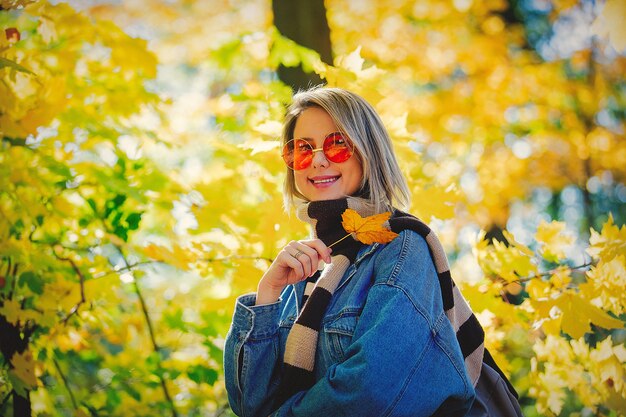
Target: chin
326, 196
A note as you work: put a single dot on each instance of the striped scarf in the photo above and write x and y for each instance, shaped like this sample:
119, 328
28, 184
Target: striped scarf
325, 218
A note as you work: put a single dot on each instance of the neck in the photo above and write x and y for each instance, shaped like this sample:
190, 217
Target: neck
325, 218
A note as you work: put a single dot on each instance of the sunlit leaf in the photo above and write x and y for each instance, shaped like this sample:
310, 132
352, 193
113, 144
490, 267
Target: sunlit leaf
368, 229
24, 368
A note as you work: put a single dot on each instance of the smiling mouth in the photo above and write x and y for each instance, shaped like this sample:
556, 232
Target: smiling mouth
324, 181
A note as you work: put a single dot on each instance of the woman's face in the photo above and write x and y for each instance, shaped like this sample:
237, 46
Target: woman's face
323, 179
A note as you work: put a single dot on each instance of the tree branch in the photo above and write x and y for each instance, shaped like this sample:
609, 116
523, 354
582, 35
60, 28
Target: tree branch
131, 267
81, 277
237, 257
67, 386
124, 268
14, 280
552, 271
151, 333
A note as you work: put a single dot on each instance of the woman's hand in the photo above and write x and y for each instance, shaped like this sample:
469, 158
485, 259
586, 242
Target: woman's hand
296, 262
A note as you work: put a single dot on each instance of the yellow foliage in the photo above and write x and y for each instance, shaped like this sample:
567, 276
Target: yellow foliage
554, 240
577, 313
463, 97
610, 23
59, 293
508, 262
434, 201
570, 312
609, 243
24, 368
177, 256
70, 341
80, 412
605, 285
14, 313
596, 374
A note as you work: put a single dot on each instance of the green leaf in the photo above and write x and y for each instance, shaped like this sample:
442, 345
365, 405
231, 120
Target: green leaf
113, 398
175, 320
92, 204
132, 392
215, 352
200, 374
7, 63
227, 52
133, 220
114, 205
32, 281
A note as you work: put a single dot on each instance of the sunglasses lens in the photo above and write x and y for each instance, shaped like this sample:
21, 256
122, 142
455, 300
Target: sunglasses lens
337, 148
297, 154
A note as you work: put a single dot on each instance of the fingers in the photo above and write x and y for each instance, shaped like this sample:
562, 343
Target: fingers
321, 248
308, 253
305, 255
295, 265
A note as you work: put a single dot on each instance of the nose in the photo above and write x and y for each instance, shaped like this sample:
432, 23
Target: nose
319, 159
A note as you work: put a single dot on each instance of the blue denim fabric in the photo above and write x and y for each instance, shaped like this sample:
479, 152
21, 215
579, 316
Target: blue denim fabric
386, 347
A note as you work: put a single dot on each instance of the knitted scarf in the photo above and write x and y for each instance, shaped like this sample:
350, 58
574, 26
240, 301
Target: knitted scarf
325, 218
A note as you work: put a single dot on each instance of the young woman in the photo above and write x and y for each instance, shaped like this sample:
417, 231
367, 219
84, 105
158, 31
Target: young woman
380, 330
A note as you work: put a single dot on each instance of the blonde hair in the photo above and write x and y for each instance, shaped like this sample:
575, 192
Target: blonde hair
382, 184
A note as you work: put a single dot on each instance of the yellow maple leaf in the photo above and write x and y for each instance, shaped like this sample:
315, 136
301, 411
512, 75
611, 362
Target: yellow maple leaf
609, 243
24, 368
554, 240
367, 229
177, 257
578, 313
11, 309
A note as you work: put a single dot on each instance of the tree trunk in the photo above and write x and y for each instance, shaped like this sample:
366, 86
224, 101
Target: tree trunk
21, 405
14, 339
304, 22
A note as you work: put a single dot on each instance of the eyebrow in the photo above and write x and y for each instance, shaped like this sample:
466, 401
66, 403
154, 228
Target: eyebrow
313, 140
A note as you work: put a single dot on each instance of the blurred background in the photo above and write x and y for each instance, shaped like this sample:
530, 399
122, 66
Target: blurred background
140, 183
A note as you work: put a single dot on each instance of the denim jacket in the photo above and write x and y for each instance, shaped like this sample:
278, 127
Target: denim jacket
386, 347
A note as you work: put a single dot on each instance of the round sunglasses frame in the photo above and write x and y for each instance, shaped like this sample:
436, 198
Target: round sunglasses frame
325, 149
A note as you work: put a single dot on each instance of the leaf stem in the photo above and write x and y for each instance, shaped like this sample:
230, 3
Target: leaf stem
345, 237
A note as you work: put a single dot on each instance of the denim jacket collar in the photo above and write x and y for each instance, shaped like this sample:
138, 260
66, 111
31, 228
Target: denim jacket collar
364, 252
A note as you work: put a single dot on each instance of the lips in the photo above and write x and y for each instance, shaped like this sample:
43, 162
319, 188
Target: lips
324, 180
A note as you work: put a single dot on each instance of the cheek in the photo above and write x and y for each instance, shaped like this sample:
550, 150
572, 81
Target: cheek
354, 176
300, 181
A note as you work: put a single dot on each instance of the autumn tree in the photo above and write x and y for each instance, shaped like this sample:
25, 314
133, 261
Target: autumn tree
141, 187
305, 23
76, 186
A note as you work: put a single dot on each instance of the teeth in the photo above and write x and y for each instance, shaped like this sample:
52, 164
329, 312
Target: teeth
323, 181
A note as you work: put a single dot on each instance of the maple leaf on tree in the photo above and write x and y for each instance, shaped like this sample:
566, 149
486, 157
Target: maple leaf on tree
369, 229
24, 368
553, 239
